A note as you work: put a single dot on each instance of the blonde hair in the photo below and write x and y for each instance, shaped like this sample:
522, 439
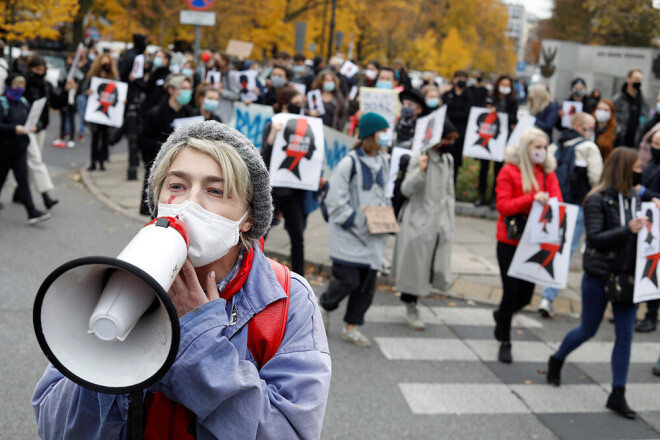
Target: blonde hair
235, 173
529, 182
539, 99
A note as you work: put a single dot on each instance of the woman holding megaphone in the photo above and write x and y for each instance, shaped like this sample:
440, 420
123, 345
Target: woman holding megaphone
221, 384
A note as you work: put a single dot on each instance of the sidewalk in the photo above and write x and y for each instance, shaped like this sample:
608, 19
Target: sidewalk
474, 263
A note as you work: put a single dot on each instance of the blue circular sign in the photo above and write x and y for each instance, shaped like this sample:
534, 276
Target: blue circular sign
199, 5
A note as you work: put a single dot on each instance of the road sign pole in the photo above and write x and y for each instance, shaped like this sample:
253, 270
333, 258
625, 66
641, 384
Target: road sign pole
198, 38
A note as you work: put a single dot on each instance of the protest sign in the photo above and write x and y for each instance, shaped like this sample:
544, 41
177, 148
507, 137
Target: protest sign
395, 161
648, 256
181, 122
298, 152
251, 120
248, 82
337, 145
428, 130
315, 102
240, 49
486, 134
353, 93
546, 230
384, 102
138, 67
106, 104
33, 117
524, 124
74, 65
545, 263
300, 88
381, 220
569, 108
349, 69
213, 77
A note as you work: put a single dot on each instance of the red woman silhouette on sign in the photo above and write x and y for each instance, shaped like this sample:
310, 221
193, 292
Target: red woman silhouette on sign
488, 127
299, 140
108, 97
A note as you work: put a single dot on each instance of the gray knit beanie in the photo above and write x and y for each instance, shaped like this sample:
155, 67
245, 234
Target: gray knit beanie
262, 202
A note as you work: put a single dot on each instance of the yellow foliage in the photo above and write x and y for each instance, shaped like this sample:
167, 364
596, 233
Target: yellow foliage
29, 19
454, 54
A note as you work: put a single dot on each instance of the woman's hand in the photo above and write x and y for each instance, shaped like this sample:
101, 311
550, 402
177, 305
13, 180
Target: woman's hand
542, 197
186, 292
274, 128
637, 224
656, 201
423, 163
20, 129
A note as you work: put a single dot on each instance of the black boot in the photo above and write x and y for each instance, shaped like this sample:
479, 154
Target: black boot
496, 332
617, 402
48, 201
554, 371
645, 326
504, 355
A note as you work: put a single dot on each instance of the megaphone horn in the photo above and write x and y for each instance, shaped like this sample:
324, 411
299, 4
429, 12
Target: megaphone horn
108, 324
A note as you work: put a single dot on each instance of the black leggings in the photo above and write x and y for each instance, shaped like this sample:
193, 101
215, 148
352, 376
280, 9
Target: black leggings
293, 210
358, 283
100, 136
483, 176
516, 293
18, 164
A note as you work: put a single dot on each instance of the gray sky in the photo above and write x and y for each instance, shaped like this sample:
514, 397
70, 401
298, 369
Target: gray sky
540, 8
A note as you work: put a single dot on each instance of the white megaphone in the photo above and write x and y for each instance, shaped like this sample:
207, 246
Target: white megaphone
108, 323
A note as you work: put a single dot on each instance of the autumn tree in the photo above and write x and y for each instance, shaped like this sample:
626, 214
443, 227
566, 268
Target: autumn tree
29, 19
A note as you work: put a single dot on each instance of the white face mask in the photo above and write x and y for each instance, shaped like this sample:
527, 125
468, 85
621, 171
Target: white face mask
504, 90
537, 156
602, 115
211, 235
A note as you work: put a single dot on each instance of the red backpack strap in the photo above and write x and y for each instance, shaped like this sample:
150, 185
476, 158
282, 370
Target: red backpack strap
167, 420
266, 329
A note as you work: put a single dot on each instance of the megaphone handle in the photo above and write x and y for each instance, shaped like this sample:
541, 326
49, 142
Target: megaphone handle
136, 419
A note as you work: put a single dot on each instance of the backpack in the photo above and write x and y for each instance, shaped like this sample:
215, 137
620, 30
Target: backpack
569, 180
322, 205
5, 104
265, 334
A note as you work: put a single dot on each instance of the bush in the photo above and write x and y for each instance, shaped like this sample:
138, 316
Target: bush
467, 184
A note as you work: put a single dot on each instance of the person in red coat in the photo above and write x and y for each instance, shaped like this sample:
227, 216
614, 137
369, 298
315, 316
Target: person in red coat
528, 176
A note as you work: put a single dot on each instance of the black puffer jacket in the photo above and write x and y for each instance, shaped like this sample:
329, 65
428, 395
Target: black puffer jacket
611, 247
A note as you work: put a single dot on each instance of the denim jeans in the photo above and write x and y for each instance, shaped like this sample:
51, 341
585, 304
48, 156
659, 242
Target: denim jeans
593, 309
550, 293
81, 106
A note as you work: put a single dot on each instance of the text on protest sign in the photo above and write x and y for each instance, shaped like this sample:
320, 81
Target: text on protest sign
251, 120
105, 105
486, 134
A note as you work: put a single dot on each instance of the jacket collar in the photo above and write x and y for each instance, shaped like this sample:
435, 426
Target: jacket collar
367, 176
260, 288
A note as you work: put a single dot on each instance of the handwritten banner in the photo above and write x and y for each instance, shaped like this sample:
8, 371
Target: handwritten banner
251, 120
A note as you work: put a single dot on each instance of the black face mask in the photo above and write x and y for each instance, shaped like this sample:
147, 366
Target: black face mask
106, 67
637, 85
637, 178
293, 109
655, 154
461, 84
407, 112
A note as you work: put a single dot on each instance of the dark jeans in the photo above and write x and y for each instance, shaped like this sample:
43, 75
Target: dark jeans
483, 176
408, 298
18, 164
100, 136
593, 309
293, 211
652, 310
358, 283
516, 293
68, 122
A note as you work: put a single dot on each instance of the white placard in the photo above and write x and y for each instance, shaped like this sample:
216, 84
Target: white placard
315, 101
384, 102
300, 88
74, 65
138, 67
298, 152
213, 78
33, 117
353, 93
106, 104
524, 124
546, 230
181, 122
251, 120
569, 108
349, 69
648, 256
486, 134
395, 160
428, 130
546, 263
247, 79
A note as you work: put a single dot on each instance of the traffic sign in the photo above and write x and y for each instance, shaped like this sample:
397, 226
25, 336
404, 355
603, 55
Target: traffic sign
197, 18
200, 5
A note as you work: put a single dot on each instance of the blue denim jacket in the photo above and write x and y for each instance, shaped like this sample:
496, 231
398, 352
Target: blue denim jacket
215, 376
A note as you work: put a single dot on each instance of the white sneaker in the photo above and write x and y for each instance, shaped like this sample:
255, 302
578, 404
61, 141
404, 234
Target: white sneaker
325, 314
355, 337
412, 317
70, 144
545, 308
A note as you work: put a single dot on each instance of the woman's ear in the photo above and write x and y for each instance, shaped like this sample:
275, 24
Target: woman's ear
247, 224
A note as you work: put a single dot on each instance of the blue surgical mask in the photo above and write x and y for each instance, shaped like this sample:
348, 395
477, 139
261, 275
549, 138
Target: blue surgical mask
187, 71
432, 102
277, 81
297, 69
211, 104
387, 85
383, 139
184, 97
329, 86
158, 62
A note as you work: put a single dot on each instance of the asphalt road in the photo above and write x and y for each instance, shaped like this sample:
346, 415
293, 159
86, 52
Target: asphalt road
443, 383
